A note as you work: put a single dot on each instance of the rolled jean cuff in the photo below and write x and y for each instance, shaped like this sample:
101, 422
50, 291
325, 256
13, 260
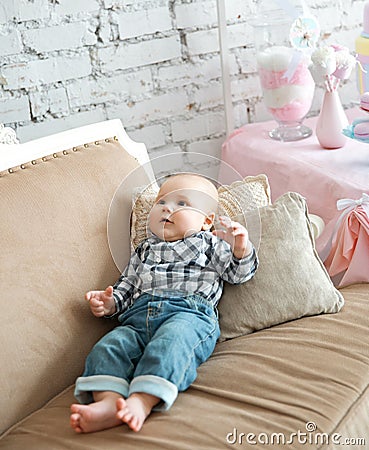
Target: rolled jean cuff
85, 386
157, 386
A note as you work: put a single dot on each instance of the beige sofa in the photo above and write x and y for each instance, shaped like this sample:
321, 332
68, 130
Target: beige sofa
301, 384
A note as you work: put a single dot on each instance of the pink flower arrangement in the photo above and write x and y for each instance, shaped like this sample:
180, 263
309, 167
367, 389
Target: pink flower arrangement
331, 64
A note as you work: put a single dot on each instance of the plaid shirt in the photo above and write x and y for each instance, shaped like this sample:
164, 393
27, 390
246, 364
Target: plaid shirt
198, 265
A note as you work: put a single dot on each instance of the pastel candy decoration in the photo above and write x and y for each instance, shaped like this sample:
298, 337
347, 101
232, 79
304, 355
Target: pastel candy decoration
345, 63
304, 32
359, 129
364, 101
362, 50
287, 99
285, 34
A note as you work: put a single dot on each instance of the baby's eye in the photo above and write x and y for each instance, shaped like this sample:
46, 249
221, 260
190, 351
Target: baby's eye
182, 203
161, 202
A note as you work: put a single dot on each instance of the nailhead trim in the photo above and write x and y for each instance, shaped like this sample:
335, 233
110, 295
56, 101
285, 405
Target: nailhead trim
58, 154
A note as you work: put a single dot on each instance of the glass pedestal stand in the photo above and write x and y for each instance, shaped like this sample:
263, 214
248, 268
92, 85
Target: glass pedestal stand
290, 131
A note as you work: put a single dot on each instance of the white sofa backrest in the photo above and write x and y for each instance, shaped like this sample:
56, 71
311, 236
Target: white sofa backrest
14, 155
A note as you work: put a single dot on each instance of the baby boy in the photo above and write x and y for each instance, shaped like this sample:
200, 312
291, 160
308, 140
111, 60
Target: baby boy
166, 304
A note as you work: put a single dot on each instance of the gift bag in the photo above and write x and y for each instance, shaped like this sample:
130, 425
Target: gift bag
348, 257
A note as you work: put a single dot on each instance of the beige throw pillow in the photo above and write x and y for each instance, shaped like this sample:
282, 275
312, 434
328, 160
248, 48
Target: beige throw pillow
241, 196
291, 281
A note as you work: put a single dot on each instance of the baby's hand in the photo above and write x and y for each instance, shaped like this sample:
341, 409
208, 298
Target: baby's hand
236, 235
101, 302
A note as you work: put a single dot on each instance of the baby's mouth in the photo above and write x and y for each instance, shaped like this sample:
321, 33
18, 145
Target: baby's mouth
165, 220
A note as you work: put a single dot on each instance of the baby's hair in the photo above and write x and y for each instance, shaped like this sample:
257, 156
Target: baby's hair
164, 178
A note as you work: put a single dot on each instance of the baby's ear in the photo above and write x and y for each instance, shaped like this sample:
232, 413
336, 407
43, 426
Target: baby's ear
208, 222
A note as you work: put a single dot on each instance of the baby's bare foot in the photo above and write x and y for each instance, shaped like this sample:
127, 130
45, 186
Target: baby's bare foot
135, 409
95, 416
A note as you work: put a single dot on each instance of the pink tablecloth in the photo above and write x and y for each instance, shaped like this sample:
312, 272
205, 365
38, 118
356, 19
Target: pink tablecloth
321, 176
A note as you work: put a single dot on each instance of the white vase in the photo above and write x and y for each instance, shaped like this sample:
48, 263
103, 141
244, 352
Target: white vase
331, 121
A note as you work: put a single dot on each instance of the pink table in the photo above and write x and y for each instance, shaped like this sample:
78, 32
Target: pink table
321, 176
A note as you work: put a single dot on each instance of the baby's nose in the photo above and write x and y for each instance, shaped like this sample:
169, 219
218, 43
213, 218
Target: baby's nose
168, 207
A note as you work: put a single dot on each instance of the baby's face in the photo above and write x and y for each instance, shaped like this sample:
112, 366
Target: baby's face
183, 207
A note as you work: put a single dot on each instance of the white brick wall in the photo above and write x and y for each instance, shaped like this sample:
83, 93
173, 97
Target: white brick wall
42, 72
152, 63
60, 37
64, 8
131, 55
140, 23
190, 15
10, 43
123, 87
15, 109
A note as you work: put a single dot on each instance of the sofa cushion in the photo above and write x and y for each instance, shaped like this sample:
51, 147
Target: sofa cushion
310, 371
291, 281
54, 248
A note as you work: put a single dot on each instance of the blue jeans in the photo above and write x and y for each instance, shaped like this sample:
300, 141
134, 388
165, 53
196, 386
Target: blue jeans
156, 350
